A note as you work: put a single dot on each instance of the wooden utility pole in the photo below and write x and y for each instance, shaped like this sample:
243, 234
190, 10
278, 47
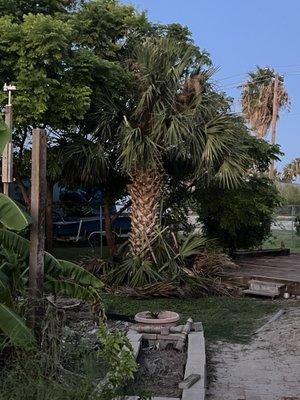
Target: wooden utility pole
37, 231
7, 157
274, 121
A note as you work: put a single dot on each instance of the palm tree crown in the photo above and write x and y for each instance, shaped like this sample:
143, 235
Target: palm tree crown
177, 113
292, 170
257, 99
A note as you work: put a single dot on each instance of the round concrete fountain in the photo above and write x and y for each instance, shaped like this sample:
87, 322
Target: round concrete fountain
163, 318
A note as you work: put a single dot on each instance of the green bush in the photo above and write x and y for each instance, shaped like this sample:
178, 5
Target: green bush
76, 372
239, 218
290, 193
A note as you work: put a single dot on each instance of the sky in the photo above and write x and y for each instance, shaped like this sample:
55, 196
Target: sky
239, 35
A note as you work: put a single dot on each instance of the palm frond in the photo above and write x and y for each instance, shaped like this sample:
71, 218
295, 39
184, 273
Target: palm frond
192, 245
257, 99
138, 150
86, 161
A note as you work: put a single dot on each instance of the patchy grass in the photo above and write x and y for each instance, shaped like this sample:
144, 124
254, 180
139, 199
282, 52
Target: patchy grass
288, 237
76, 253
224, 318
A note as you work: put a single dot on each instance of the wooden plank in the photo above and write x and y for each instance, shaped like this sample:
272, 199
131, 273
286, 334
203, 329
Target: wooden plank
282, 268
189, 381
270, 277
283, 264
270, 269
285, 269
7, 156
37, 229
273, 274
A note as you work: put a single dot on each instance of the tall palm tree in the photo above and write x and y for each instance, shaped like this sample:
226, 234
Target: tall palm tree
258, 100
291, 170
174, 114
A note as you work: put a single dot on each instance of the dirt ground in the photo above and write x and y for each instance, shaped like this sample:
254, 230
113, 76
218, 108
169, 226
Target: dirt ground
266, 369
160, 372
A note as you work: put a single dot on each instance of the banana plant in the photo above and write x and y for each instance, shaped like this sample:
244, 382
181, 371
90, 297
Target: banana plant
61, 277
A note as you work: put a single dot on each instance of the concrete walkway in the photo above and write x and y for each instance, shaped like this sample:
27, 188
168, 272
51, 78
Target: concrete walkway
266, 369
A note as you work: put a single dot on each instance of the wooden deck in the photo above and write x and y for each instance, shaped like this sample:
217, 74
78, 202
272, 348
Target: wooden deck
285, 269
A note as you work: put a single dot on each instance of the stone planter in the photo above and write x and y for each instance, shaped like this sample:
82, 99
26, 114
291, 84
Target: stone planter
195, 363
164, 318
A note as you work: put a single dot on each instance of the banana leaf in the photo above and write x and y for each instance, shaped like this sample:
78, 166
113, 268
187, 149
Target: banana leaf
70, 289
14, 242
53, 267
5, 294
11, 215
79, 274
14, 327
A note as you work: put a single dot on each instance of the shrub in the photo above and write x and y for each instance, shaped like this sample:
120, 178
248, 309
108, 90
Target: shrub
290, 193
72, 374
239, 218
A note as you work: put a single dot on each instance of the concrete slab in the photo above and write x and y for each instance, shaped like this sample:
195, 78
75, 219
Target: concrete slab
196, 364
135, 341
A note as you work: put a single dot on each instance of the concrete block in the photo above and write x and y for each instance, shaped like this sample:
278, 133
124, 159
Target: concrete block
134, 336
173, 336
197, 327
150, 336
136, 348
196, 364
135, 341
165, 330
193, 394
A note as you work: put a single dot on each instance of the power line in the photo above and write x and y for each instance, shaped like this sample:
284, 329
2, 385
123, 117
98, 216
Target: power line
234, 85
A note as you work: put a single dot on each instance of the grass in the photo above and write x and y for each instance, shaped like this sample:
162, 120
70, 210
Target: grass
75, 253
288, 237
224, 318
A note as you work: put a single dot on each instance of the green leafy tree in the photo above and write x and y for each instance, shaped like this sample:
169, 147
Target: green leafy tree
241, 217
62, 64
43, 67
18, 8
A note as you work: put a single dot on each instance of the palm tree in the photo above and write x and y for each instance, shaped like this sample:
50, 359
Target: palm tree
258, 100
291, 170
174, 114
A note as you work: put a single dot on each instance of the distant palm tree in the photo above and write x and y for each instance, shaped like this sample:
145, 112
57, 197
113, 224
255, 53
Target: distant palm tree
292, 170
257, 100
175, 114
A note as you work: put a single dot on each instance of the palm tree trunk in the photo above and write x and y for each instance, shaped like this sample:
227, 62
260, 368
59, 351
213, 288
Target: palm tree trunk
110, 238
146, 191
49, 217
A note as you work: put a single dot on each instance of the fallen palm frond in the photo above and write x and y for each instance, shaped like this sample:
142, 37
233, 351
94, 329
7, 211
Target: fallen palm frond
182, 267
160, 289
212, 263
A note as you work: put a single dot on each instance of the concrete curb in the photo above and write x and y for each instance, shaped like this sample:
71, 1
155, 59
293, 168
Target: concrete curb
196, 364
